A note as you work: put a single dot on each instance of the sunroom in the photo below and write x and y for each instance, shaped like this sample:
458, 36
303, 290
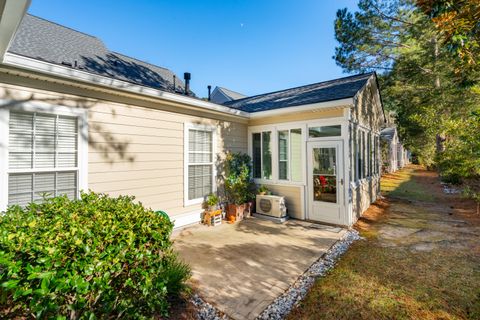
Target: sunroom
322, 153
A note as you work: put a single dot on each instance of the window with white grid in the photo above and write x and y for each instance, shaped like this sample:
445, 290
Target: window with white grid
200, 163
42, 156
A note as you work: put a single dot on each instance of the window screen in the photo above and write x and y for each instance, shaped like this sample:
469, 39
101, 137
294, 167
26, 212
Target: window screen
257, 155
266, 155
200, 163
283, 146
262, 155
42, 157
325, 131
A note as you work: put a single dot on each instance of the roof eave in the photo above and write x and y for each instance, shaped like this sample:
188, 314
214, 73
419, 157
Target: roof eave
11, 14
314, 107
47, 68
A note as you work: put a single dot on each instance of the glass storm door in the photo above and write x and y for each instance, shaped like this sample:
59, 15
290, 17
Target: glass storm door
325, 181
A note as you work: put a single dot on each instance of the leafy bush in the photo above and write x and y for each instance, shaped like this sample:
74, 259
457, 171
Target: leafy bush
95, 257
212, 200
238, 181
263, 189
461, 158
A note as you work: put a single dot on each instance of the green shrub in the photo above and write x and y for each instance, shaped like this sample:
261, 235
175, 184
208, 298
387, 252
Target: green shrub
95, 257
238, 180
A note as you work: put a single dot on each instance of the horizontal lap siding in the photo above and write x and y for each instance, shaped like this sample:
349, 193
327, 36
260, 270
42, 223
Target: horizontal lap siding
293, 199
297, 116
139, 151
135, 146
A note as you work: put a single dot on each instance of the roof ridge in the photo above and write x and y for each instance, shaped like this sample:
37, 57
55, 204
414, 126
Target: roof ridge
307, 85
61, 25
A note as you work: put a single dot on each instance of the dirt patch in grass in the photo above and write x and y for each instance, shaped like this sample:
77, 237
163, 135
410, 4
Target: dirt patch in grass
420, 258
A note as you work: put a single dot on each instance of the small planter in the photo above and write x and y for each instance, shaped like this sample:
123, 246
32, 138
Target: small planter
212, 218
235, 212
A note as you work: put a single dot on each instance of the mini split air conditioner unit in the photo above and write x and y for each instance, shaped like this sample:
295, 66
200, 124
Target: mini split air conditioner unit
271, 206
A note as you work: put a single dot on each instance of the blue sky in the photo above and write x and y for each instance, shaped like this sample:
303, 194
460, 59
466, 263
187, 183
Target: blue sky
248, 46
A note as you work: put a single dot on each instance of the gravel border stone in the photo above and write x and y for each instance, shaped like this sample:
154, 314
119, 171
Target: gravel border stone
282, 305
206, 311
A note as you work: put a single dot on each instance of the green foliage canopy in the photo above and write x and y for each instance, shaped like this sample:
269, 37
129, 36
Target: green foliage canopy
95, 257
434, 96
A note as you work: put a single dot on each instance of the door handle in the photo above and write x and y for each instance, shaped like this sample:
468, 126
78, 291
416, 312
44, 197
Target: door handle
341, 181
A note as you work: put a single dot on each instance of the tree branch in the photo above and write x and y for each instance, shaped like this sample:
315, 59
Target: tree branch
389, 17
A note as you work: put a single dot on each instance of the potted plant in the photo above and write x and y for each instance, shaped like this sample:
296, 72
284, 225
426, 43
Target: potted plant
211, 202
212, 214
237, 184
263, 190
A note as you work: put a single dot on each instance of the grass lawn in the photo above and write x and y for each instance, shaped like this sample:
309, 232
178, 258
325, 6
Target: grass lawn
420, 258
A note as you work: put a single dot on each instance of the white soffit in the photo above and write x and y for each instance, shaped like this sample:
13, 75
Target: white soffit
86, 77
11, 14
314, 107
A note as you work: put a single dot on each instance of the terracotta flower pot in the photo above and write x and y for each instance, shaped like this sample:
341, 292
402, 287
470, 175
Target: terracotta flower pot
235, 212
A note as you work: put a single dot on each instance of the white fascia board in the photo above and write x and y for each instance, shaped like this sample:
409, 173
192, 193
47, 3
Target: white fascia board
11, 14
78, 75
321, 106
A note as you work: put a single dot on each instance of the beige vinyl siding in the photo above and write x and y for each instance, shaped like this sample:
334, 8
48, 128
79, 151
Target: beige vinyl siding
293, 198
297, 116
137, 149
140, 151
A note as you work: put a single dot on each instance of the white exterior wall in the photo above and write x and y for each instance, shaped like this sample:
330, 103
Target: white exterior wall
299, 207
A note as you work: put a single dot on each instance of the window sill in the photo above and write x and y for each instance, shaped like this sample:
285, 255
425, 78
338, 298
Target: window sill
279, 182
192, 202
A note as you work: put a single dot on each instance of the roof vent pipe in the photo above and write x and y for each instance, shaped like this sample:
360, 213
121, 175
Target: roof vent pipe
209, 87
174, 84
187, 76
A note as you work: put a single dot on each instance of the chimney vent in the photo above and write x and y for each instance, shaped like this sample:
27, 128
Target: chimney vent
187, 76
209, 87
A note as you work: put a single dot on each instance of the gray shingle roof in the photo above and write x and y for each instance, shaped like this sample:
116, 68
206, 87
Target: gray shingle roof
388, 133
221, 95
44, 40
313, 93
232, 94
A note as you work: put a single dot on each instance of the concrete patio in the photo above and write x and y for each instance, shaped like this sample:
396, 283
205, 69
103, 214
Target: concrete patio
242, 268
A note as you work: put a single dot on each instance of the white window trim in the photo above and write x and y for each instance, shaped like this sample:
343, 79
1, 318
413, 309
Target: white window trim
187, 127
42, 107
275, 156
304, 125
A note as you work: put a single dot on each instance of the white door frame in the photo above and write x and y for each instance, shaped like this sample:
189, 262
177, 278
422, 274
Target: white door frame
338, 144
